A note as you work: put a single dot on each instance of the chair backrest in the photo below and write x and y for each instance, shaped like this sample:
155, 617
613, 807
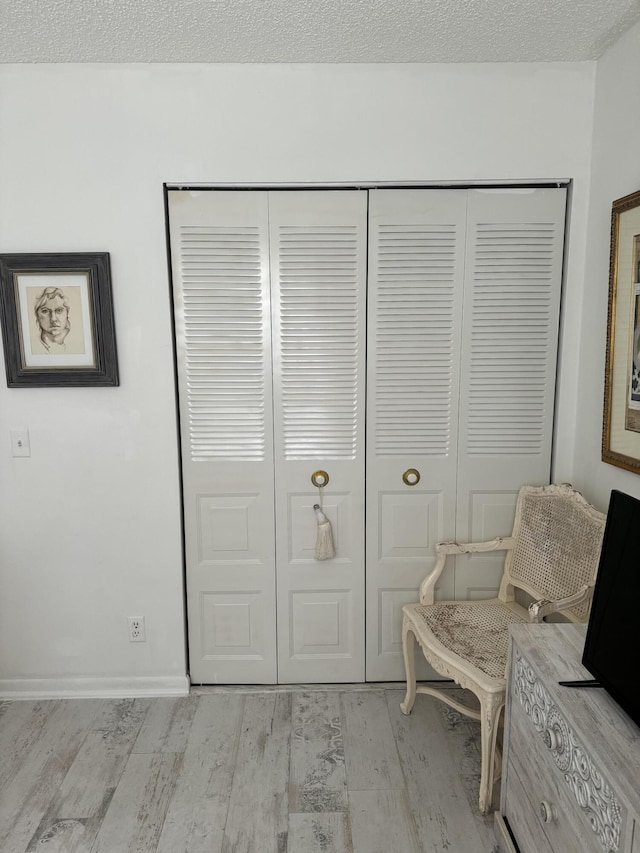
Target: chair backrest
558, 537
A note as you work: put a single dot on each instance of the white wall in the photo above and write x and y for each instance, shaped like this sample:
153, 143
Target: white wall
90, 524
615, 173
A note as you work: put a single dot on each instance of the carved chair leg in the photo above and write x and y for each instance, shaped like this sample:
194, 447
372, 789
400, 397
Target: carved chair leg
491, 706
408, 651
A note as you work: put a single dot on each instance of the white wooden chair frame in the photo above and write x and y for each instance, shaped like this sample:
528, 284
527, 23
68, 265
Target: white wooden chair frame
544, 573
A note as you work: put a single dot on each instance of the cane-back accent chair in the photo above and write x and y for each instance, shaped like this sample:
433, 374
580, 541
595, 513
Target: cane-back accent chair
552, 555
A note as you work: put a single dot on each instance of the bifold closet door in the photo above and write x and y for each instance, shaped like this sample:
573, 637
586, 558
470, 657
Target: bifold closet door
270, 293
416, 272
464, 294
318, 287
513, 276
220, 271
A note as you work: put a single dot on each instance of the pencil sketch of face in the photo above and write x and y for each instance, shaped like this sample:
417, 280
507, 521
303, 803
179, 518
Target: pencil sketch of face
52, 316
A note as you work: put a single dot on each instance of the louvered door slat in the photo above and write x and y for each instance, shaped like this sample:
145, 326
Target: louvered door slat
511, 294
318, 317
406, 358
227, 413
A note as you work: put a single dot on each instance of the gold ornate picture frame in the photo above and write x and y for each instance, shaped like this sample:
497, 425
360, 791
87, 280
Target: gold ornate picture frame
621, 421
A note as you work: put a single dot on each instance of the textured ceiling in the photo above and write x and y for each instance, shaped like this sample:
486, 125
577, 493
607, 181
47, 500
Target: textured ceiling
311, 30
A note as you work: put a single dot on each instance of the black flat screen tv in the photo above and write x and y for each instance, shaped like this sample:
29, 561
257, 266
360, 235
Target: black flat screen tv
613, 633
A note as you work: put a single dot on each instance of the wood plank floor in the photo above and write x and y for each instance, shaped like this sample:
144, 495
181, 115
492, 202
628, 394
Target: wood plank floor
301, 770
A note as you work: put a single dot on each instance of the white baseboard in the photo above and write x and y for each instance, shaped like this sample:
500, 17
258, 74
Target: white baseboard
93, 688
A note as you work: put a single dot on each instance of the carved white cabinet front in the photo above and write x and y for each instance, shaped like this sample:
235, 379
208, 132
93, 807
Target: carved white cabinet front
572, 756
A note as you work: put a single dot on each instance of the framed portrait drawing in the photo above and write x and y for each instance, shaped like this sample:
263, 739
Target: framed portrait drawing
57, 320
621, 426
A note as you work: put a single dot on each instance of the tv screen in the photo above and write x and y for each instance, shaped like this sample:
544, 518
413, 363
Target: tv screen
611, 646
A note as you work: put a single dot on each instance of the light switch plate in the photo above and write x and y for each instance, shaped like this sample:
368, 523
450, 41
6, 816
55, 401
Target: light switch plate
20, 445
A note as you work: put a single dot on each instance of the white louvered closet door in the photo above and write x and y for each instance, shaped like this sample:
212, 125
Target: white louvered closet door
270, 298
416, 269
510, 333
219, 252
318, 275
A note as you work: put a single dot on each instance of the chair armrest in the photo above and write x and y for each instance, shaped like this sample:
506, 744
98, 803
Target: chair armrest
539, 609
444, 549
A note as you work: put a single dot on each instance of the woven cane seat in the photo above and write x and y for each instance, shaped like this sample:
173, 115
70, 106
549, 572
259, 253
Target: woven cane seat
478, 633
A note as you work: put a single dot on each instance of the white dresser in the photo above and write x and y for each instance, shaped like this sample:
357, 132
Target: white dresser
571, 765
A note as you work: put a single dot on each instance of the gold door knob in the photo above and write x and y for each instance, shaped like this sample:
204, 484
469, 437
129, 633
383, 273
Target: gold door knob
319, 479
411, 477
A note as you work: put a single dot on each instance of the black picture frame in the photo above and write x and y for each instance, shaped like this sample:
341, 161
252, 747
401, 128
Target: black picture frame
57, 320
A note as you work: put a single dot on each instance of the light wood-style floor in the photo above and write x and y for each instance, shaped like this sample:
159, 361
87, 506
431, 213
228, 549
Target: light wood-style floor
307, 770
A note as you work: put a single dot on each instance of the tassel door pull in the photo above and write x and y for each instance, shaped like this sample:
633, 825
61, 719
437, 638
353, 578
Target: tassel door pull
325, 549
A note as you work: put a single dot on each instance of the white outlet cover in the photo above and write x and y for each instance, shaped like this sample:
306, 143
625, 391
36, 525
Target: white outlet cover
137, 633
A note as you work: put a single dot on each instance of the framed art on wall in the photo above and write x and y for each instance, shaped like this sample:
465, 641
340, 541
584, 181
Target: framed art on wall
57, 320
621, 423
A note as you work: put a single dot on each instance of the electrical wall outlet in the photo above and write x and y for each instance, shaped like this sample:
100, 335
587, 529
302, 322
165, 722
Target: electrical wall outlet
137, 633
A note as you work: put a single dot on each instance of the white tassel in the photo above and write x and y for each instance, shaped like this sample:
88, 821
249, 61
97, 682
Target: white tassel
324, 539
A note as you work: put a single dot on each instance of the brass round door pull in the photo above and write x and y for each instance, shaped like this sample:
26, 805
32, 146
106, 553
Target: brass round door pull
319, 478
411, 477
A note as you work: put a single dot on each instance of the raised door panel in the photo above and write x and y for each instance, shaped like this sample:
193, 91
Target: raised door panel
513, 275
318, 273
219, 259
416, 257
410, 523
490, 513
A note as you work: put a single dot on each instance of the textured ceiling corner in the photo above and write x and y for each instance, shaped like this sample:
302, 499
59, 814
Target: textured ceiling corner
311, 31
